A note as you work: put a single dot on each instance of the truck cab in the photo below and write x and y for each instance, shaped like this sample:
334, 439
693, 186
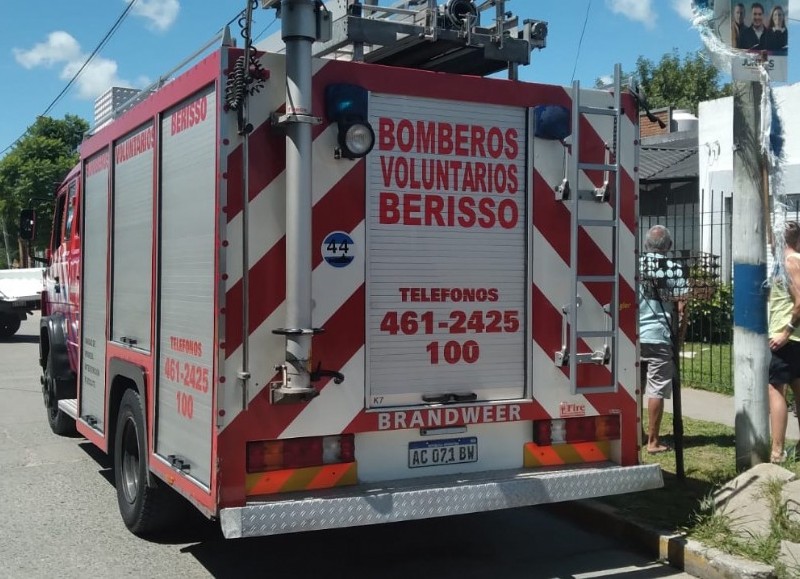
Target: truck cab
60, 322
61, 286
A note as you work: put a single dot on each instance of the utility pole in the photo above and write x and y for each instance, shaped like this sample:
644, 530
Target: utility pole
750, 352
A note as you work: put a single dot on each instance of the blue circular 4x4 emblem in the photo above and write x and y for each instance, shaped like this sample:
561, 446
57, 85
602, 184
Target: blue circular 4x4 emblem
338, 249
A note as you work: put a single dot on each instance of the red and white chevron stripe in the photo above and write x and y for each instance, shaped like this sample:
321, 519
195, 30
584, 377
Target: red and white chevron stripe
551, 218
340, 294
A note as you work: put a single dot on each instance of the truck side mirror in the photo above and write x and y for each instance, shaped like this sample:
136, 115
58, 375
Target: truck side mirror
27, 224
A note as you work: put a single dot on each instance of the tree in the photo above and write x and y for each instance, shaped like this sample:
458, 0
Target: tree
677, 83
680, 84
30, 172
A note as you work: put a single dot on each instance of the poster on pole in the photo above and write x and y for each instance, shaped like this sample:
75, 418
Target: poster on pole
758, 34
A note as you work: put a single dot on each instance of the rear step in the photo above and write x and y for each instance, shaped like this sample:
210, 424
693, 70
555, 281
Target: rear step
457, 494
69, 407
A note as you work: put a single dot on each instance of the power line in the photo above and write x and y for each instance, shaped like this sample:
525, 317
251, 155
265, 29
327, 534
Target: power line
580, 42
260, 34
97, 49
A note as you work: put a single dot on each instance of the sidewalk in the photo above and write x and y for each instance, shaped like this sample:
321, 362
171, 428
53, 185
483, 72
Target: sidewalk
719, 408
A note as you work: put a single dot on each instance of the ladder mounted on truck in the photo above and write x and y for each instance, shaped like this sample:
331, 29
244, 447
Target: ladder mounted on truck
461, 36
607, 194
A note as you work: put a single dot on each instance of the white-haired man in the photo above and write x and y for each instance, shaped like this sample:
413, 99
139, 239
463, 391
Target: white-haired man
661, 283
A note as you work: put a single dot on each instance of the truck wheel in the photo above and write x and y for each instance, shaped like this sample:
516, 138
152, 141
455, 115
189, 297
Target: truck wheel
9, 324
60, 422
146, 507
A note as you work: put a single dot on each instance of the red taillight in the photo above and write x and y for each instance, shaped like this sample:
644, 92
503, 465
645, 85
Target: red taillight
541, 432
580, 429
574, 430
347, 448
300, 452
267, 455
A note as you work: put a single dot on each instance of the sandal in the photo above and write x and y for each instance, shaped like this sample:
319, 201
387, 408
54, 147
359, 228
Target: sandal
660, 449
779, 458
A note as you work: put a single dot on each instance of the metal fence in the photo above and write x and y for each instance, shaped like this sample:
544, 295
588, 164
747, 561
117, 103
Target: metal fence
701, 227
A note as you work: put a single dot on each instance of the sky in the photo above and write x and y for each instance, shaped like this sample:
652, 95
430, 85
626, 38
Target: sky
43, 44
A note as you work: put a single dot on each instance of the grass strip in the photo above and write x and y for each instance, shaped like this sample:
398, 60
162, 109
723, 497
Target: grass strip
707, 367
687, 506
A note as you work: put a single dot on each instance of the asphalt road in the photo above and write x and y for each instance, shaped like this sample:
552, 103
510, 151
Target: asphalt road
58, 518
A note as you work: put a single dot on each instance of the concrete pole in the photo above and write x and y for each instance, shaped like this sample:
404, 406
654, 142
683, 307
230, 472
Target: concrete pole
750, 351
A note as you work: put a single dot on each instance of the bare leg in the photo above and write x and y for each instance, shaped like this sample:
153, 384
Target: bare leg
796, 389
655, 411
778, 418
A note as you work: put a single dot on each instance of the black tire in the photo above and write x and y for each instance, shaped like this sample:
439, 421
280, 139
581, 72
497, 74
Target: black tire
146, 506
9, 324
60, 422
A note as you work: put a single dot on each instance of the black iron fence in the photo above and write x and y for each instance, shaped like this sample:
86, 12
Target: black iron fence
701, 229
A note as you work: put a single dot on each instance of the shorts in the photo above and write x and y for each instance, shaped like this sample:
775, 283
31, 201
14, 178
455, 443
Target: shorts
784, 365
657, 369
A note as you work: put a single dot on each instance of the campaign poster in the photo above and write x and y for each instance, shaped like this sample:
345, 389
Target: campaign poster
759, 34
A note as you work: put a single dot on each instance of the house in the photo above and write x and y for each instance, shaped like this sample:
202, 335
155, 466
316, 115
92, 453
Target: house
715, 156
668, 177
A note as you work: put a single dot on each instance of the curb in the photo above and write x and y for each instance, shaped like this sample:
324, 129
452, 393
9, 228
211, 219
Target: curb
673, 548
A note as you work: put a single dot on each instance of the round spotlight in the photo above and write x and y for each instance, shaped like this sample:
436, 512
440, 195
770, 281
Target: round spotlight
356, 139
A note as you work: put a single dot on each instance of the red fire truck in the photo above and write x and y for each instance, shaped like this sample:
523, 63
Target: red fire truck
307, 291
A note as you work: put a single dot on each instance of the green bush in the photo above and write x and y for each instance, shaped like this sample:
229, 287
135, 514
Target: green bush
711, 318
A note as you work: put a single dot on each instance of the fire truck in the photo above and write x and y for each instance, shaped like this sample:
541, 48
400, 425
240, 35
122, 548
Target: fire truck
353, 280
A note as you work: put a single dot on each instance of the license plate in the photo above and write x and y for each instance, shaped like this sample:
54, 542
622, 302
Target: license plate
438, 452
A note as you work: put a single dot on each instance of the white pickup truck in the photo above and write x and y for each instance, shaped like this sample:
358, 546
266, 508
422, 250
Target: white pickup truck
20, 294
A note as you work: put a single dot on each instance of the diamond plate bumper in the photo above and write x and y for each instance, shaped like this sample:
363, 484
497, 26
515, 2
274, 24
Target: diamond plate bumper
406, 500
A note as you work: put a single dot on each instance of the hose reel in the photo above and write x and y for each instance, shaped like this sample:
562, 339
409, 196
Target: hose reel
457, 11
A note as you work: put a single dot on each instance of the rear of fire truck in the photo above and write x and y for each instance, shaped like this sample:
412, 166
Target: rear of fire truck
429, 296
351, 280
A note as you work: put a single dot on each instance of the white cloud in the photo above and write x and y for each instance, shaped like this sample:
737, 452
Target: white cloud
636, 10
683, 8
98, 76
606, 80
63, 50
160, 14
59, 47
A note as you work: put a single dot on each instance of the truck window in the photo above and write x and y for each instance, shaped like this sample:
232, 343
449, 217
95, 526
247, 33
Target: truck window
58, 222
72, 199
